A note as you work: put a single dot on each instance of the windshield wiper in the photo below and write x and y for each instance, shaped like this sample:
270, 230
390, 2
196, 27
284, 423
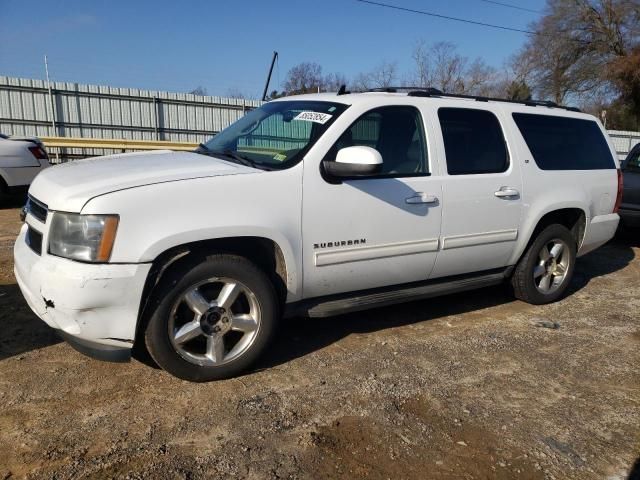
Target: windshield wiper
236, 156
202, 148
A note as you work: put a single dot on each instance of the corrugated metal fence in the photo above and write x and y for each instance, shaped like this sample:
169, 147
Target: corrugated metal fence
624, 141
30, 107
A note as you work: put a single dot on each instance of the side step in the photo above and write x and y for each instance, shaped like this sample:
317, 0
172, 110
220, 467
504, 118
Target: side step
365, 299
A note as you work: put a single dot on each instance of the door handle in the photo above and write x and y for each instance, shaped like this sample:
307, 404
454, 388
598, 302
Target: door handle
421, 197
507, 192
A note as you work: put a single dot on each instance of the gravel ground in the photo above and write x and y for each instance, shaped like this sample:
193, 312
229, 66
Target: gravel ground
474, 385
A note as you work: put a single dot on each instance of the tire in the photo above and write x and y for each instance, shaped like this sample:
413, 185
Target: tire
528, 279
212, 320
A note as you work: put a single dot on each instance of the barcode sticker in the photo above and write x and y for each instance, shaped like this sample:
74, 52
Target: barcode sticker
316, 117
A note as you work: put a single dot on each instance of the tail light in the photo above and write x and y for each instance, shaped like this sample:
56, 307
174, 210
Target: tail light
39, 152
616, 207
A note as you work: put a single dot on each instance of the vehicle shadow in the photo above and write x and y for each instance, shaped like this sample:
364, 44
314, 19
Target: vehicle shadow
634, 473
20, 330
613, 256
298, 337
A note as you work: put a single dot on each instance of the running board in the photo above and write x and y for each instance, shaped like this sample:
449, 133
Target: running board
365, 299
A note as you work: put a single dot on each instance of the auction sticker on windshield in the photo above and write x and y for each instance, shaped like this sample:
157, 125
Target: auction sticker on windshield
316, 117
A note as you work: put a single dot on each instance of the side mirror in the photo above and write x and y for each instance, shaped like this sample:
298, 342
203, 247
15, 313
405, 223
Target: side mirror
354, 162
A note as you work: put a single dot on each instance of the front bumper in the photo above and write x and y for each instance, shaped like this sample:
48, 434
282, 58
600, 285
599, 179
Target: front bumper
94, 307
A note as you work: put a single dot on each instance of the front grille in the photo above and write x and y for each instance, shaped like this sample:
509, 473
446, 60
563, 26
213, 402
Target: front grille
34, 239
37, 209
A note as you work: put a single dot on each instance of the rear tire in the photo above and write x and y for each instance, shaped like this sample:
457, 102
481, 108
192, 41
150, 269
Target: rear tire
213, 320
544, 273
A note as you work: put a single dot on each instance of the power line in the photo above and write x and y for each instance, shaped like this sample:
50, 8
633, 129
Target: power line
446, 17
509, 5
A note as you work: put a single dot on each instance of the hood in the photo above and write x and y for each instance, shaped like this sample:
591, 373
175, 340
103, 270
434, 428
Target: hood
68, 187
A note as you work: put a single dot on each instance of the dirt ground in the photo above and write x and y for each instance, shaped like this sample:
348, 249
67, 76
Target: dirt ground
474, 385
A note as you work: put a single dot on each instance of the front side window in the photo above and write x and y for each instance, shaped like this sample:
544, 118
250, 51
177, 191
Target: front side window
633, 162
473, 141
564, 143
276, 135
397, 133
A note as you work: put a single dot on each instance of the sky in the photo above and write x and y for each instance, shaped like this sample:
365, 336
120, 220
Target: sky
226, 45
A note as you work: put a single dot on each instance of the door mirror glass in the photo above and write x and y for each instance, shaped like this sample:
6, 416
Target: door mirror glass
354, 161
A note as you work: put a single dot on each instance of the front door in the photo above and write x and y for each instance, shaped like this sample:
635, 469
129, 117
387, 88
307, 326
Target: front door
375, 231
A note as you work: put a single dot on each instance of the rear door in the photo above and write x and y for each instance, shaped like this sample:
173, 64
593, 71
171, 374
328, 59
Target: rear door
482, 190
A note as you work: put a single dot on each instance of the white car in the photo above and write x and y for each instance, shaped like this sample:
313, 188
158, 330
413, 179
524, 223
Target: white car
21, 159
313, 205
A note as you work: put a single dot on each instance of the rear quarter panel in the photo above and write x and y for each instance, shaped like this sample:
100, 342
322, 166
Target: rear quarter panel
592, 191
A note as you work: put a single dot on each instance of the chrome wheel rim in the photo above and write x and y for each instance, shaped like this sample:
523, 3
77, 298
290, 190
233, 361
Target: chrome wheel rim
550, 272
214, 322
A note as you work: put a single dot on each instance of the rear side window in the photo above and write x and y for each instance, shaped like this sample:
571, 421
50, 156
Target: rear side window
561, 143
473, 141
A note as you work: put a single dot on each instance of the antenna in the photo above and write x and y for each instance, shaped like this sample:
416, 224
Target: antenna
266, 85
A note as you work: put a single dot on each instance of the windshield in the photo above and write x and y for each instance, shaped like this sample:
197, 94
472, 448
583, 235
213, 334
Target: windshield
276, 135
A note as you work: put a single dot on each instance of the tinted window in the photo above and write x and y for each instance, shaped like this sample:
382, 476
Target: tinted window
397, 133
633, 162
561, 143
473, 141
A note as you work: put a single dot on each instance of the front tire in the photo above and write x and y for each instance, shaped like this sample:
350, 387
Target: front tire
213, 320
544, 273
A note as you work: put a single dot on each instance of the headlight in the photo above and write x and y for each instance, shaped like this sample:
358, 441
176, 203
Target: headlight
88, 238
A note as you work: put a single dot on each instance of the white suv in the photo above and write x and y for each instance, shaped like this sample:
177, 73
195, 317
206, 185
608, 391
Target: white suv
313, 205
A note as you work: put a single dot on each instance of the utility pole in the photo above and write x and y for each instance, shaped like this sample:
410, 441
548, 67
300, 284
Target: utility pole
266, 86
53, 117
51, 104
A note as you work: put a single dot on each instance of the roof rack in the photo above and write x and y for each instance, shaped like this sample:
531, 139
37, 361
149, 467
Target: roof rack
434, 92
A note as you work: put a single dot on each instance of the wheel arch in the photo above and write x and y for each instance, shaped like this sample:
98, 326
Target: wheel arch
267, 254
573, 217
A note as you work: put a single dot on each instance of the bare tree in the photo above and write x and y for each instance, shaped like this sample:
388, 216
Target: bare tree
441, 66
235, 93
479, 79
305, 77
384, 75
578, 47
362, 82
199, 90
308, 78
423, 74
333, 82
448, 67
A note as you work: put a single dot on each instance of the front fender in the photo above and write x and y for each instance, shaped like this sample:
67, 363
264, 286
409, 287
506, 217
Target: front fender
156, 218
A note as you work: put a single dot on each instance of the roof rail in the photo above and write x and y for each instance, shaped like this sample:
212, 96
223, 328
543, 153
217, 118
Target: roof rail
429, 90
434, 92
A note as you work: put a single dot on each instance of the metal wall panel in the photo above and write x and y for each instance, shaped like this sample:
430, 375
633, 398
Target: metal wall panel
96, 111
624, 141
